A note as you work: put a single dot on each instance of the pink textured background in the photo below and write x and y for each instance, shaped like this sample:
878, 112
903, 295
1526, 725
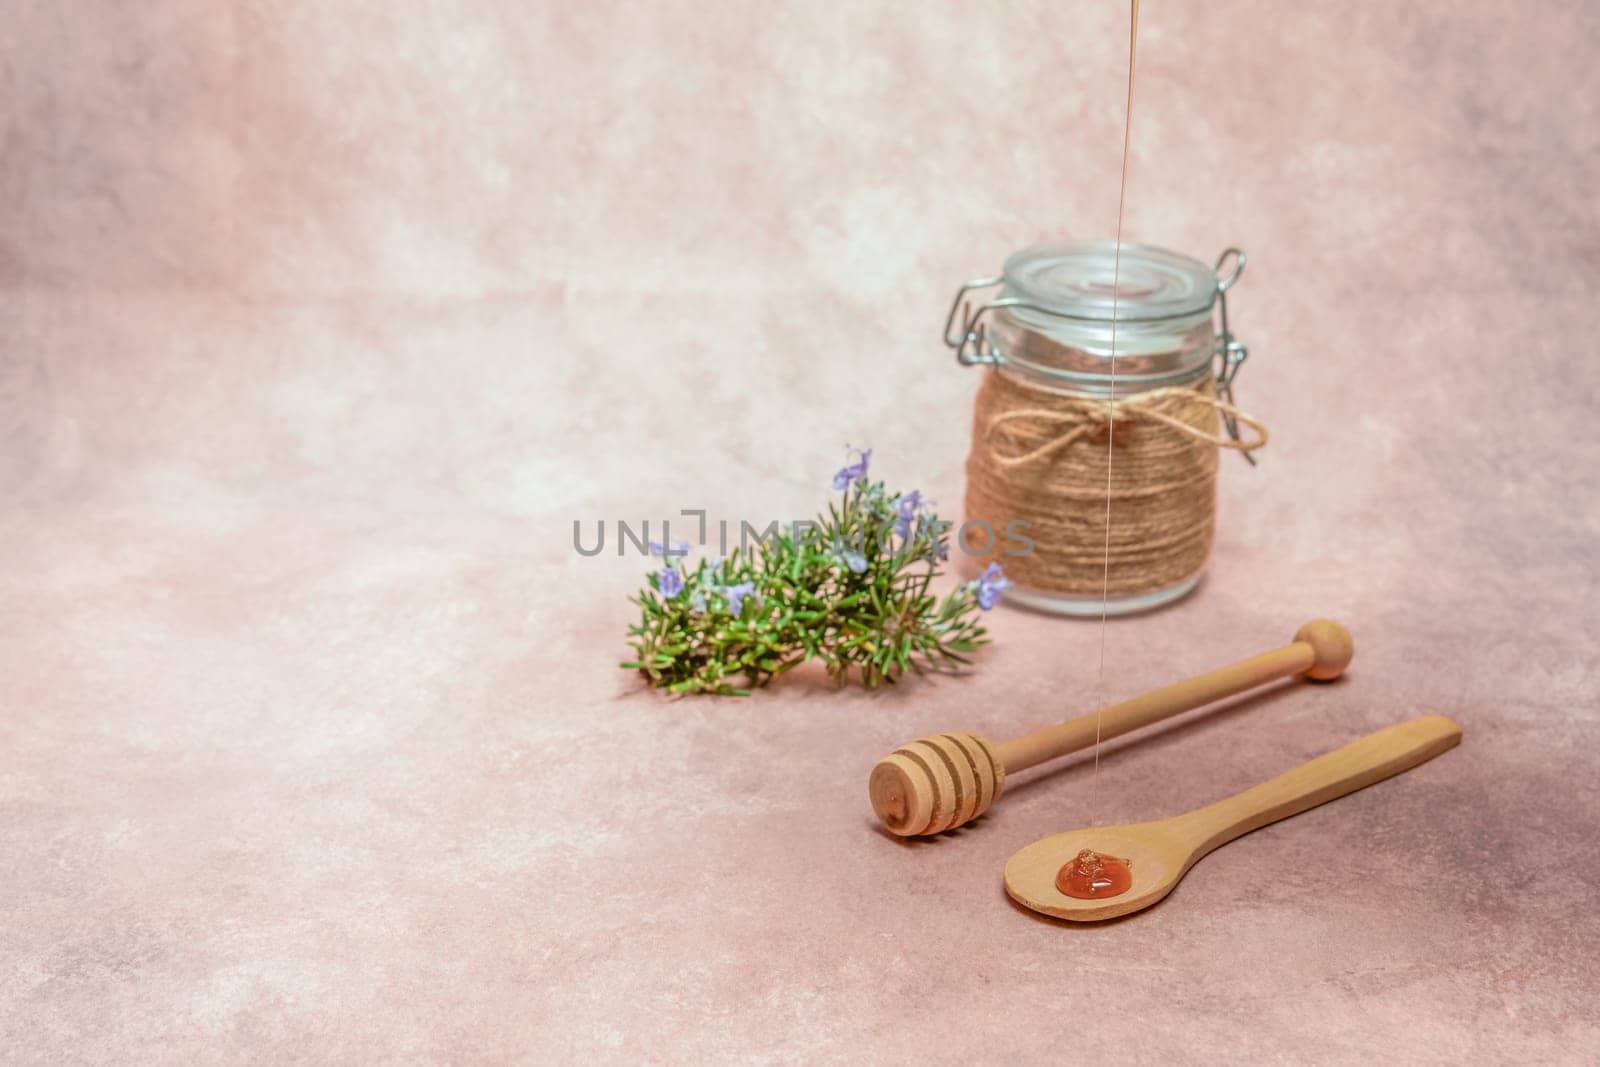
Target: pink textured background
321, 323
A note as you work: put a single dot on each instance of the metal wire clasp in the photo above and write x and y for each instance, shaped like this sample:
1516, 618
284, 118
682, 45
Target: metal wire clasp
1230, 353
971, 342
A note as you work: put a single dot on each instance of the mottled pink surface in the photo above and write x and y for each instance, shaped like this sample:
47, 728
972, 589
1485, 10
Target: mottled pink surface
321, 323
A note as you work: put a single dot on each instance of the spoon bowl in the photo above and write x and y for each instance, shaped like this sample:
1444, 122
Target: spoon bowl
1156, 856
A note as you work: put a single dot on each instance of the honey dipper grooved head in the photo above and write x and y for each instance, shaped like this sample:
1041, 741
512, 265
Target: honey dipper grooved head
1332, 645
935, 784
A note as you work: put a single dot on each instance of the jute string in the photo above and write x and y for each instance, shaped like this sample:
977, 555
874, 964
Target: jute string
1041, 456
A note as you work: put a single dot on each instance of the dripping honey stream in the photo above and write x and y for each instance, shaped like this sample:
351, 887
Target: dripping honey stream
1111, 413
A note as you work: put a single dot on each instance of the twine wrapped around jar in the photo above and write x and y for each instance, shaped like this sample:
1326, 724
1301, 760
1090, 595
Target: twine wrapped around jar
1041, 456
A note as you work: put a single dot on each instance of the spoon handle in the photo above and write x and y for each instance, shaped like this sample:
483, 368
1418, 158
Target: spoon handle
1373, 758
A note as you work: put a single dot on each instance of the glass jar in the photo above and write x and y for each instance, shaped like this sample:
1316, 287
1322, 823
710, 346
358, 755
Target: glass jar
1055, 326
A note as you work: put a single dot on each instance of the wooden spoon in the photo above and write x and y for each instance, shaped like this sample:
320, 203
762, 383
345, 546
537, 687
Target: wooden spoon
1160, 853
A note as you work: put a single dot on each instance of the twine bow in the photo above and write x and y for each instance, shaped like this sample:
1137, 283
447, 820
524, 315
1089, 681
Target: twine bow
1087, 418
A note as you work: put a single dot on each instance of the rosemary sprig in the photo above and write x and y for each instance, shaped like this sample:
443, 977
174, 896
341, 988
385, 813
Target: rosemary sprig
850, 589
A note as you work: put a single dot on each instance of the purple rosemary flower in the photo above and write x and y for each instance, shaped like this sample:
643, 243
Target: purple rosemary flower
990, 584
736, 595
854, 471
676, 548
850, 557
669, 581
905, 509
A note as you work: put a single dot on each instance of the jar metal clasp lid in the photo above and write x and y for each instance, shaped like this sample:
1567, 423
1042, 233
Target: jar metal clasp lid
1231, 353
966, 330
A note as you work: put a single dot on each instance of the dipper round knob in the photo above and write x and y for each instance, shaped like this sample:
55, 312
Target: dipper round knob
935, 784
1332, 645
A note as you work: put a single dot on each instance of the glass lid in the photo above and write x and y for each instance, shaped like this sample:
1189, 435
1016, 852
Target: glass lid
1074, 279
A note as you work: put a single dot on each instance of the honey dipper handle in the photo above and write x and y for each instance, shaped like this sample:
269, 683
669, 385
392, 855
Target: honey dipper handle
1357, 765
1321, 649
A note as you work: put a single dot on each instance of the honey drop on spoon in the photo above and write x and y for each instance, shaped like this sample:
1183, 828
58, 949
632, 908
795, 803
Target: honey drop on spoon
1090, 875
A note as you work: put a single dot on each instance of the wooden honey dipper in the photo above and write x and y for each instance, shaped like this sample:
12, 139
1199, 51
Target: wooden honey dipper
938, 783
